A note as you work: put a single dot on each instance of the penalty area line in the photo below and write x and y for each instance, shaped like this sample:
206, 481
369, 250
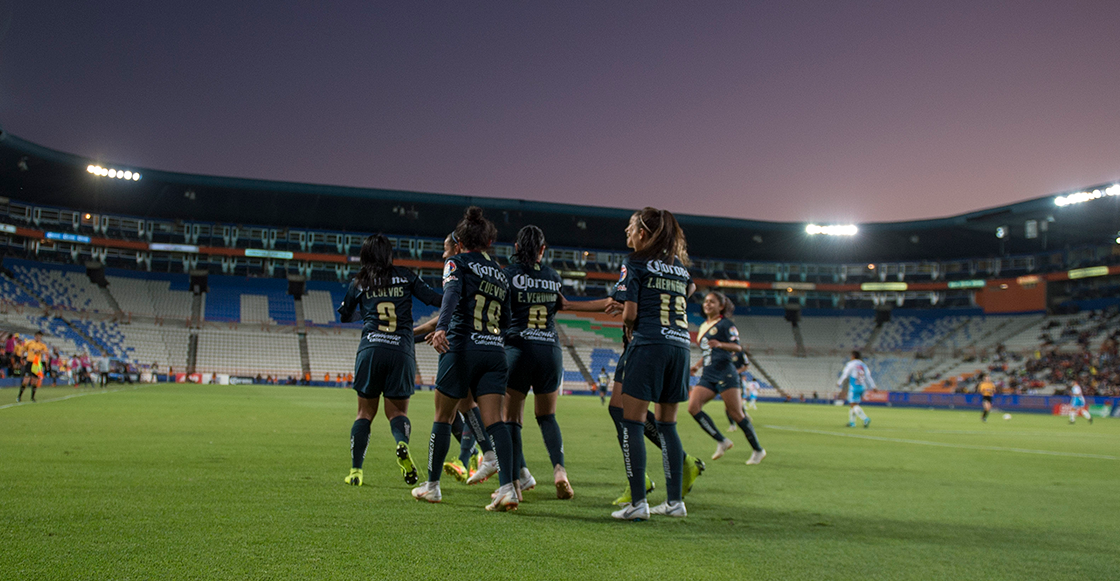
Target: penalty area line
946, 445
74, 395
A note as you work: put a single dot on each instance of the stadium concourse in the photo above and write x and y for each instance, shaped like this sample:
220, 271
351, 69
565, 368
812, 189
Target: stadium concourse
217, 277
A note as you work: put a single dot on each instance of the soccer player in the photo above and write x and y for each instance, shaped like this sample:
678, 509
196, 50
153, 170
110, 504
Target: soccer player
693, 466
656, 285
987, 389
385, 366
859, 378
533, 352
719, 340
472, 321
34, 354
604, 379
1077, 404
468, 468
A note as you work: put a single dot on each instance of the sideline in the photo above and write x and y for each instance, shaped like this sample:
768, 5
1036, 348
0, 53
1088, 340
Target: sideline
73, 395
946, 445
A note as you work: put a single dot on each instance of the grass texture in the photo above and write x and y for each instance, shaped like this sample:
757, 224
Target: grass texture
245, 482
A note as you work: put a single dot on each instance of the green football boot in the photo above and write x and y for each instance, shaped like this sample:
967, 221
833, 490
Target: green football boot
693, 468
404, 460
626, 497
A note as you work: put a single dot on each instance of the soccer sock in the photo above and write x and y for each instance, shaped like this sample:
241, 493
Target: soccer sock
616, 417
466, 447
359, 441
503, 447
984, 415
748, 429
438, 444
651, 429
634, 458
852, 415
1084, 412
730, 420
708, 425
457, 427
553, 442
672, 457
401, 428
474, 418
23, 387
859, 412
518, 454
1072, 416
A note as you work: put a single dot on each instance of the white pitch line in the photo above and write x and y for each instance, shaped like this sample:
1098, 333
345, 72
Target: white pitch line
945, 445
23, 403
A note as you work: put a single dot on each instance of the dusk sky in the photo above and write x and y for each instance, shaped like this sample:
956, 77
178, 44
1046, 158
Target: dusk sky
790, 111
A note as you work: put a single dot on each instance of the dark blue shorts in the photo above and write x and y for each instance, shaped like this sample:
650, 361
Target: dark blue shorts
384, 372
539, 366
719, 378
620, 367
463, 373
657, 373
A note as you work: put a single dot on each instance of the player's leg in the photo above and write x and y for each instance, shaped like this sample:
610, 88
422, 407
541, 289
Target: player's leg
514, 419
396, 409
734, 404
987, 405
547, 377
359, 438
672, 389
700, 395
852, 414
634, 454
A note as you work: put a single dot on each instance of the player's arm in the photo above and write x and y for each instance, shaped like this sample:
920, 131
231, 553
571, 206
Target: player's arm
629, 316
597, 305
426, 327
349, 306
452, 294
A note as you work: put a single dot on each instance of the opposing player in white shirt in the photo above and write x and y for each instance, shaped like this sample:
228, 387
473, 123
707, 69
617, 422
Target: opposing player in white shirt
859, 379
1077, 404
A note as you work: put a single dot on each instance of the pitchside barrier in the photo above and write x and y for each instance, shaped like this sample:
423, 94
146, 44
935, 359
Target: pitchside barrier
1045, 404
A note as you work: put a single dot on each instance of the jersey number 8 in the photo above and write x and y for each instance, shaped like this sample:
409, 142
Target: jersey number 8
538, 317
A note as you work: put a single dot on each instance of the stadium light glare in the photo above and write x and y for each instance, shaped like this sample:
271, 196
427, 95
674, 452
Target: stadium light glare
120, 174
832, 230
1082, 197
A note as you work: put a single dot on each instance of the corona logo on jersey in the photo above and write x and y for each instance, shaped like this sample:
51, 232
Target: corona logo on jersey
524, 282
659, 267
483, 271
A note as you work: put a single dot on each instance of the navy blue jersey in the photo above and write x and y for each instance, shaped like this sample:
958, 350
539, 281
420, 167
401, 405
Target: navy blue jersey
387, 312
476, 306
740, 359
660, 291
533, 305
724, 331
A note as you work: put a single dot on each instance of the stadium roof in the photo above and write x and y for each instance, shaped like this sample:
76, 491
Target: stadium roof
36, 174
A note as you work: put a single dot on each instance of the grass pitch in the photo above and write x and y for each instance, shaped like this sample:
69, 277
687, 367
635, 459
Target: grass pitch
245, 482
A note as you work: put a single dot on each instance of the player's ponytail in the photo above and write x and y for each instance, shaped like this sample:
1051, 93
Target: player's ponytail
665, 239
377, 263
530, 241
474, 232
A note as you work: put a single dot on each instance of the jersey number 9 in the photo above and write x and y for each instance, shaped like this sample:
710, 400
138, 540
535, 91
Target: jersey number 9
388, 313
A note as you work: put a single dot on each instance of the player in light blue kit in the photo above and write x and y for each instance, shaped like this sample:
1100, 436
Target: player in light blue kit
859, 378
1077, 404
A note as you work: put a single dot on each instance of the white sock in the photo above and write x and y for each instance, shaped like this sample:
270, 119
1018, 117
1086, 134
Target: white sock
1085, 414
1072, 417
859, 412
852, 415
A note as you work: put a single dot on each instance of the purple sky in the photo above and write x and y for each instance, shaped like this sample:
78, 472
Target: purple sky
793, 111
